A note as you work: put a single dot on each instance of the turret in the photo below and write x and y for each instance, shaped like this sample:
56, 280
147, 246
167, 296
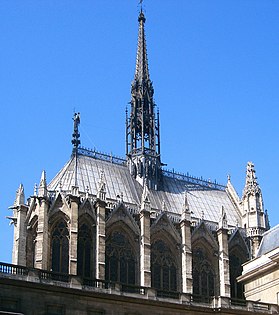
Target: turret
253, 216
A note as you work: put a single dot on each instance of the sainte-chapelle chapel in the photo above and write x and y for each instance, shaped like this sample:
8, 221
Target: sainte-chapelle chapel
131, 221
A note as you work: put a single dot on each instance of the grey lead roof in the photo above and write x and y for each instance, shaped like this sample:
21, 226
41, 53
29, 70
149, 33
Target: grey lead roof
204, 202
269, 241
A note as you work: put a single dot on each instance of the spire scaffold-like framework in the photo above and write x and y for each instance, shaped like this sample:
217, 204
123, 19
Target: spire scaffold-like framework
142, 125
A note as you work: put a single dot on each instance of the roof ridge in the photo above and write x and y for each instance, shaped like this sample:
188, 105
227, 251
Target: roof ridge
169, 173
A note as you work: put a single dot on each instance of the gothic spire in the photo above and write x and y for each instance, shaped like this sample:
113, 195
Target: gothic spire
142, 127
142, 71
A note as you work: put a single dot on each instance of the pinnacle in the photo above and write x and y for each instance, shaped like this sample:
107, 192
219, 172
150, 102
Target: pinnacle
20, 197
251, 184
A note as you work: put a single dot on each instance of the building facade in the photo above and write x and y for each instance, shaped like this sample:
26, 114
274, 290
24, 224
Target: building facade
132, 222
260, 275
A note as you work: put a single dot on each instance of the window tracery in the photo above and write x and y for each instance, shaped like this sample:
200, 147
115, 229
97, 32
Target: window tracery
60, 248
235, 271
85, 257
120, 259
163, 267
203, 275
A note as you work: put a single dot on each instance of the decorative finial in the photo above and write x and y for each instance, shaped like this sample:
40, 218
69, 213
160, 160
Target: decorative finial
202, 215
60, 186
186, 204
76, 135
102, 187
223, 223
145, 202
185, 215
251, 184
141, 15
42, 191
20, 197
35, 190
163, 205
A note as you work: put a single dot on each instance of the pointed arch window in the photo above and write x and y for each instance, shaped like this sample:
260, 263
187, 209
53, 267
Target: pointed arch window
120, 259
163, 267
237, 291
203, 275
85, 255
31, 245
60, 248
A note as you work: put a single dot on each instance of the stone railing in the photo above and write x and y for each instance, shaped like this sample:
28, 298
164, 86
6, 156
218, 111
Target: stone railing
101, 286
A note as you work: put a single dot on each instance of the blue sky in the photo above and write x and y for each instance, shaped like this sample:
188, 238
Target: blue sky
214, 65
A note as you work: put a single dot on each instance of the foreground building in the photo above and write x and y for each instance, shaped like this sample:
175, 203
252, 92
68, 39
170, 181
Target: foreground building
109, 229
260, 275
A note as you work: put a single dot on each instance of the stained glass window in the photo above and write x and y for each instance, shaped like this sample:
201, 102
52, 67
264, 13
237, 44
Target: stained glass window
120, 259
235, 271
163, 267
203, 275
85, 260
60, 248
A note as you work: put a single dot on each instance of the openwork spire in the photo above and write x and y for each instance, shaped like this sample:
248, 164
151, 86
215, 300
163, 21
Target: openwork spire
142, 126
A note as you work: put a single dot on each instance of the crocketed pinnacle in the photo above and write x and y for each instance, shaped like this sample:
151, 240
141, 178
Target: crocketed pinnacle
251, 185
142, 71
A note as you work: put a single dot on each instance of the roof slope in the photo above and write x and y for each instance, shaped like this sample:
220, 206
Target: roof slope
204, 201
270, 241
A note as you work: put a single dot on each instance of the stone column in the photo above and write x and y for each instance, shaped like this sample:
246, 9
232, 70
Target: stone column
19, 249
100, 239
73, 231
145, 246
186, 255
42, 249
101, 229
19, 220
224, 269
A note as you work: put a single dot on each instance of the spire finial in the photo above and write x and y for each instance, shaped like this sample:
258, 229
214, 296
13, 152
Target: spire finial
145, 202
42, 191
223, 223
76, 135
102, 187
140, 3
251, 184
20, 197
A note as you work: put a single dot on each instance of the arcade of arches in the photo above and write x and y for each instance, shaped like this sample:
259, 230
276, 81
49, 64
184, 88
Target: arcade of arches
122, 261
